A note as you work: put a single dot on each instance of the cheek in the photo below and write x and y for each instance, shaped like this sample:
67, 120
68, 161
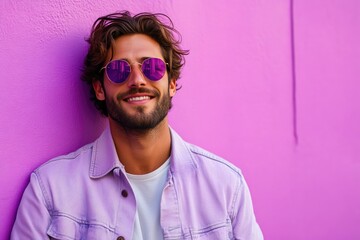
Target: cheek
111, 89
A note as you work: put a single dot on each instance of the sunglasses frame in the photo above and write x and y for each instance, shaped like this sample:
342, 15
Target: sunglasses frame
130, 65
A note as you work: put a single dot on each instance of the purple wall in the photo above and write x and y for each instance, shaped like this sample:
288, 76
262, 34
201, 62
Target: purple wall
253, 82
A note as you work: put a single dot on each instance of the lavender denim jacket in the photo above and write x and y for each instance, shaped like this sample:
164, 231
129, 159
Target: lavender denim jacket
86, 195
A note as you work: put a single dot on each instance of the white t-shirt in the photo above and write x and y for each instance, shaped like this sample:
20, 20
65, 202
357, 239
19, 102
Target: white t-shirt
148, 189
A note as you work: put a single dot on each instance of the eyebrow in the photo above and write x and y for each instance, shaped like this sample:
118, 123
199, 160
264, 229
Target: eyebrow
138, 60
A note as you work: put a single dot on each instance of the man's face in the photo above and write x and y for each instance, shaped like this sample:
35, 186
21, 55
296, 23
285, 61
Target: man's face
138, 103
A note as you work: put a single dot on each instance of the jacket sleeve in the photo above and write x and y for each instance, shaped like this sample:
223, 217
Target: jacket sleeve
33, 217
244, 222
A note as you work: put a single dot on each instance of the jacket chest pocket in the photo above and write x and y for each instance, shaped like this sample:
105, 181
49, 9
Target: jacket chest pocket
219, 231
67, 228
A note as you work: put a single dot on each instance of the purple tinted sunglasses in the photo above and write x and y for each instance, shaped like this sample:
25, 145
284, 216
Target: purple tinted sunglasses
119, 70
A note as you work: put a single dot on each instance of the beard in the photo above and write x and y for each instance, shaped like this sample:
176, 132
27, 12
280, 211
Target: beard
140, 121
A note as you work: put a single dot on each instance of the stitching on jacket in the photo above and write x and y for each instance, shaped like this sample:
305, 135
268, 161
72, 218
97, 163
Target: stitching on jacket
83, 222
204, 153
44, 193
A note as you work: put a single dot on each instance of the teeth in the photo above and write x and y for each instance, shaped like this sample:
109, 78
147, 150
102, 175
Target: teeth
138, 98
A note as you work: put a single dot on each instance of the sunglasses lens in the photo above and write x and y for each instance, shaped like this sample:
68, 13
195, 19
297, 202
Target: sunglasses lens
118, 71
153, 68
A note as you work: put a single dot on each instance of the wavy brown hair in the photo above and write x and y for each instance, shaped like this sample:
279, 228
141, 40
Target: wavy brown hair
108, 28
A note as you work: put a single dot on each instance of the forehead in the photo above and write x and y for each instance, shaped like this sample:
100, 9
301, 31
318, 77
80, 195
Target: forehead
135, 47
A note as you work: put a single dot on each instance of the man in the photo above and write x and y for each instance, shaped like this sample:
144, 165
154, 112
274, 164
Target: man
139, 179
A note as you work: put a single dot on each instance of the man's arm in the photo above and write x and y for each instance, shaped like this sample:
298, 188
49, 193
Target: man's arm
244, 222
32, 218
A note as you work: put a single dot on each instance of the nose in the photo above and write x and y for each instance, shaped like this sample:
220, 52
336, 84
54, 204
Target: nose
136, 78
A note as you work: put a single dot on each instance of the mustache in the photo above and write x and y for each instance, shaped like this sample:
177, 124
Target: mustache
138, 90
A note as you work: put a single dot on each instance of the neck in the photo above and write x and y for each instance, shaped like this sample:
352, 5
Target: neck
142, 151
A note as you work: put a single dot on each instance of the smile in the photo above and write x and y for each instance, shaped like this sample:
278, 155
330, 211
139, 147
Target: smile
137, 98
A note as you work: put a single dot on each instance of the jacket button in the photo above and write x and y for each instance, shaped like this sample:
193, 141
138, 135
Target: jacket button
120, 238
124, 193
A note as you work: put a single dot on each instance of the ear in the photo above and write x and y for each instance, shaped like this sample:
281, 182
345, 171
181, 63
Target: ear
172, 87
99, 91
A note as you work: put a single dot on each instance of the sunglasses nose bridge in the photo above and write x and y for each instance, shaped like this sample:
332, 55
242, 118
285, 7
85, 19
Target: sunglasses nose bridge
136, 77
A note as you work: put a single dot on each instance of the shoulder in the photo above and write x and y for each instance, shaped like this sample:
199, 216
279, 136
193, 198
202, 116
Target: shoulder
62, 176
202, 156
209, 178
188, 155
66, 164
215, 168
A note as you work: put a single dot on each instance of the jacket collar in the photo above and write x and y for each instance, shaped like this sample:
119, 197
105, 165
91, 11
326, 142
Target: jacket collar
104, 157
